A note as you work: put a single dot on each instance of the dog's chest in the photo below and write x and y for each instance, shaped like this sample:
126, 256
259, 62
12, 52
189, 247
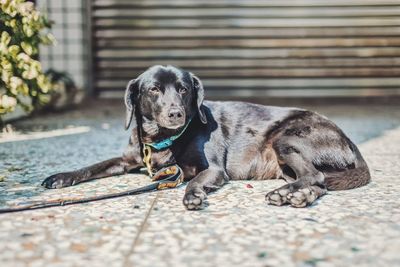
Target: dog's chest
160, 159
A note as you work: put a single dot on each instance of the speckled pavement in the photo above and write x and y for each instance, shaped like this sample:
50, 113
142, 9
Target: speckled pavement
358, 227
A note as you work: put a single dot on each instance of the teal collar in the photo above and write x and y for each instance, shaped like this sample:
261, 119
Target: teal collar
167, 142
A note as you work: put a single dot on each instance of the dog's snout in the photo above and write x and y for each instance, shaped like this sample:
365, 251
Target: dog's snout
175, 113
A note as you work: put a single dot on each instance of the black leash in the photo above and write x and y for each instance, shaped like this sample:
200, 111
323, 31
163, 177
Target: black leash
168, 177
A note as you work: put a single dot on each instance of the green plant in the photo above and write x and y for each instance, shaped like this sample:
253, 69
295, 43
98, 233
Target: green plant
22, 81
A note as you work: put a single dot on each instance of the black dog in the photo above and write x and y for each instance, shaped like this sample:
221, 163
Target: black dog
214, 142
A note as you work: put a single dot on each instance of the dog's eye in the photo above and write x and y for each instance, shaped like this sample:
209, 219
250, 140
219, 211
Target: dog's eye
182, 90
154, 90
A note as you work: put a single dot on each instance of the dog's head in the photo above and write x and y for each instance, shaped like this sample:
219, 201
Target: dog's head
166, 95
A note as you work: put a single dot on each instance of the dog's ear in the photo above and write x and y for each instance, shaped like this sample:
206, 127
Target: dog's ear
198, 86
131, 94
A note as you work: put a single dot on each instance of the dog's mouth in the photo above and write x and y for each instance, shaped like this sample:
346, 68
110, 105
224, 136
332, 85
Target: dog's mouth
172, 125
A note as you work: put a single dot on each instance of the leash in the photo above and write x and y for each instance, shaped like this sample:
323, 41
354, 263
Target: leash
167, 177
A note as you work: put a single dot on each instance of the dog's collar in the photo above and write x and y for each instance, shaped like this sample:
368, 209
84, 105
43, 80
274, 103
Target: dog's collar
169, 141
158, 146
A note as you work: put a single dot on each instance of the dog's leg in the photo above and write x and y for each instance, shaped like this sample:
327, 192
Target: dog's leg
205, 182
305, 190
111, 167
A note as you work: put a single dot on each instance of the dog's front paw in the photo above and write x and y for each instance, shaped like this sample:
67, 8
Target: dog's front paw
195, 199
58, 180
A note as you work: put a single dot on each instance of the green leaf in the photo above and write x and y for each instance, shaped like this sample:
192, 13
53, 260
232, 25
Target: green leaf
30, 73
13, 23
5, 76
14, 50
27, 48
28, 30
5, 38
7, 102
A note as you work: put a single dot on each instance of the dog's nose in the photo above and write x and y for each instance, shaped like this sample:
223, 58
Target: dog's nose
175, 113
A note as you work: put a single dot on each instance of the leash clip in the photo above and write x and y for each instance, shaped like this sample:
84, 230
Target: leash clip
147, 159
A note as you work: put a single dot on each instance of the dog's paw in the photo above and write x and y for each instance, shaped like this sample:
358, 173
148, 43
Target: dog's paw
58, 181
195, 199
304, 197
296, 195
277, 197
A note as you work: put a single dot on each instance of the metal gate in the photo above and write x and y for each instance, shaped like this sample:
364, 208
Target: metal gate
252, 47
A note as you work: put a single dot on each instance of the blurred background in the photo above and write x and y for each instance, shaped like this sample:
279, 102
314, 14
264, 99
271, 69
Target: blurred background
239, 48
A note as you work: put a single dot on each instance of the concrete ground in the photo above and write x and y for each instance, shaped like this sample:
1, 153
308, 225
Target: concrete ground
359, 227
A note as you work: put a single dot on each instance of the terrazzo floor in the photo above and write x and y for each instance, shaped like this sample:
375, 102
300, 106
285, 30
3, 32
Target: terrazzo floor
359, 227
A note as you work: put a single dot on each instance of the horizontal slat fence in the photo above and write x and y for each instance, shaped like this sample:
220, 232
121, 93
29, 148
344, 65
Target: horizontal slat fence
251, 47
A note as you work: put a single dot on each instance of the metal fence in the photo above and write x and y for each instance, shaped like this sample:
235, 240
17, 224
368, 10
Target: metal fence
238, 47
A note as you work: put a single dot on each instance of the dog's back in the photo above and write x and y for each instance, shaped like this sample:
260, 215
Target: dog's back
251, 136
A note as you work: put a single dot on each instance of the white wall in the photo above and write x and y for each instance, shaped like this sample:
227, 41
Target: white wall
68, 54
